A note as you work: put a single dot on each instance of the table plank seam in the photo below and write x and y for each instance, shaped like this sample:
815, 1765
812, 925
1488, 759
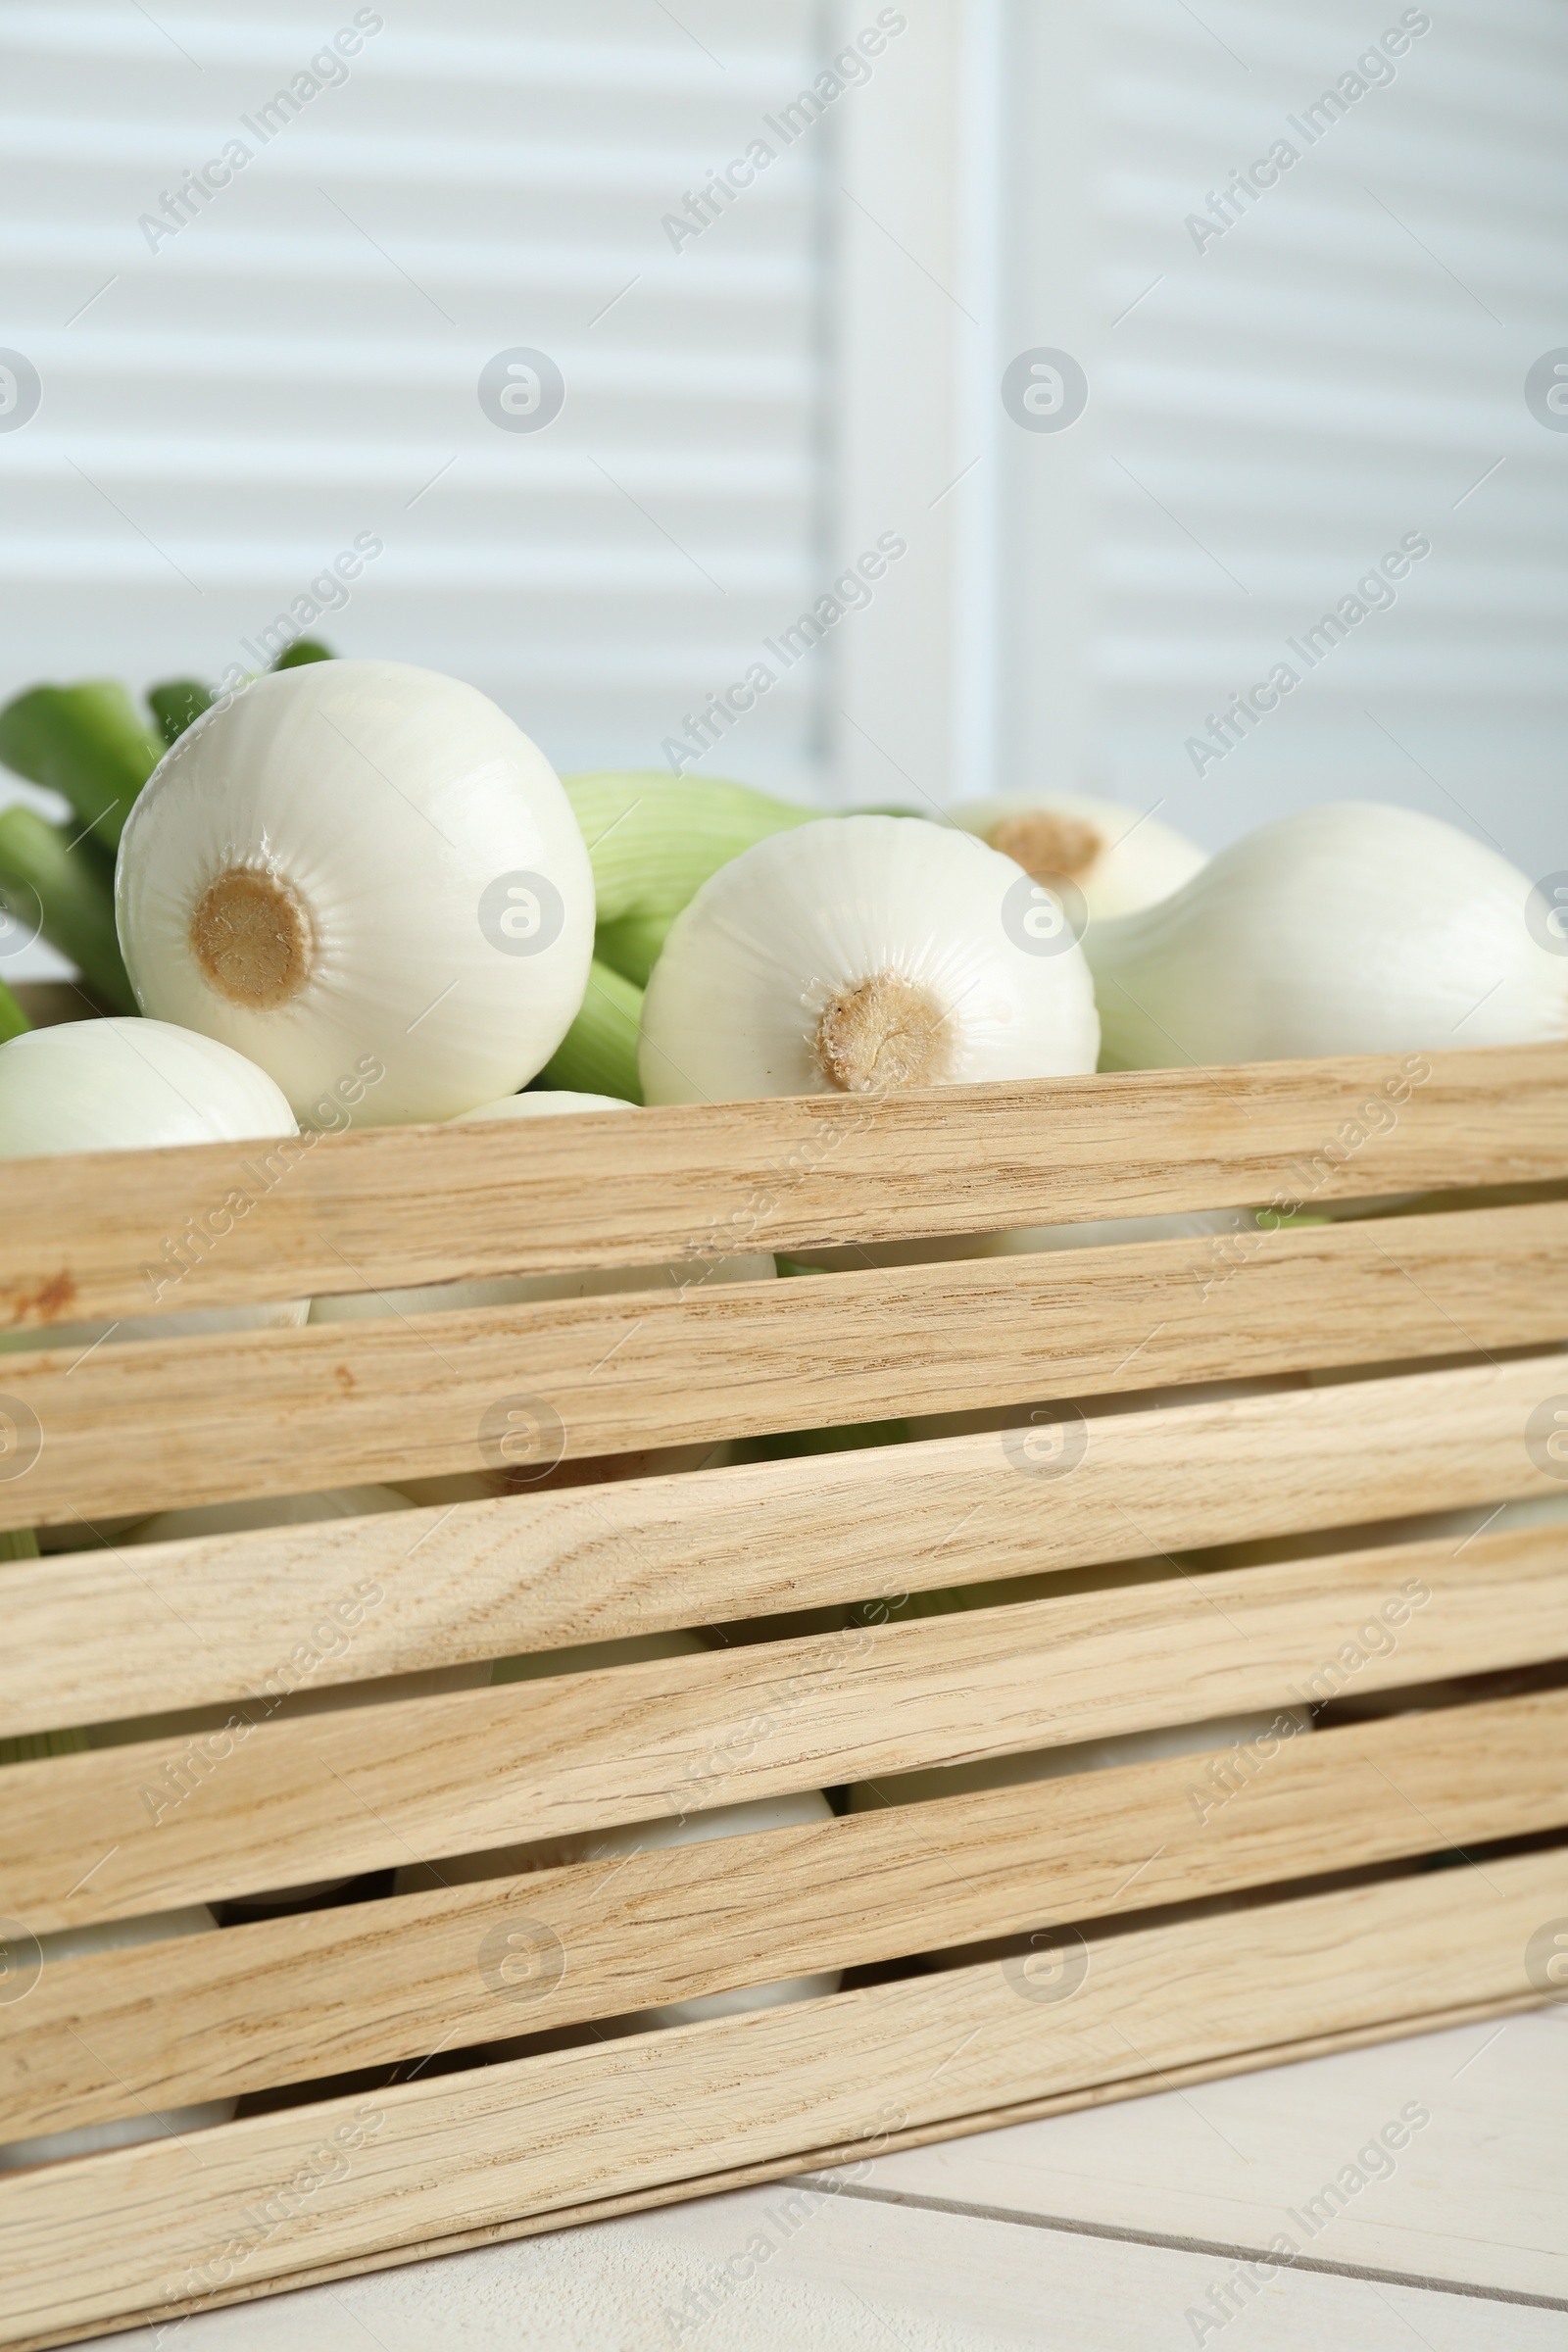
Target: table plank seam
1072, 2227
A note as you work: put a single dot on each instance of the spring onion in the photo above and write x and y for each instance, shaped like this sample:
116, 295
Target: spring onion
860, 953
178, 704
1352, 928
134, 1085
65, 890
88, 743
13, 1022
359, 858
598, 1056
654, 840
1117, 859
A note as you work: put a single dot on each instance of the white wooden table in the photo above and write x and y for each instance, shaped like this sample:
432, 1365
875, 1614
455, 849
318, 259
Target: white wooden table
1118, 2230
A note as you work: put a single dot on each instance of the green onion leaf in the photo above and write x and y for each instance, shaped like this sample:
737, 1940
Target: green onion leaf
62, 888
598, 1056
86, 742
13, 1022
176, 705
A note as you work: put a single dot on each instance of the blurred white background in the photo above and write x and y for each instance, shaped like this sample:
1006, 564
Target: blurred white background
231, 399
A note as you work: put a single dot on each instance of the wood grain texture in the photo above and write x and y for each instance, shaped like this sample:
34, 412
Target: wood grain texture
149, 1426
105, 1835
848, 2153
160, 2226
408, 1205
95, 1637
328, 1991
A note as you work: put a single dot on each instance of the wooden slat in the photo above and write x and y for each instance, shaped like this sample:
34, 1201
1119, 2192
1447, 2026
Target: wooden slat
654, 2196
328, 1991
406, 1205
95, 1637
92, 1835
155, 2225
145, 1426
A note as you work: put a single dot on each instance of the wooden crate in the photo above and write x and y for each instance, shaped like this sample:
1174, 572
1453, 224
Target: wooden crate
1188, 1936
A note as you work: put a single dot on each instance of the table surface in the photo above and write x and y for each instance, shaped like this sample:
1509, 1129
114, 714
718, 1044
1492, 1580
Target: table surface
1122, 2228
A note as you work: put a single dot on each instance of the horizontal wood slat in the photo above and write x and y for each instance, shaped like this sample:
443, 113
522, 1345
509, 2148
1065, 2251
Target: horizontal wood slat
105, 1835
149, 1426
328, 1991
156, 2227
824, 2165
408, 1205
93, 1637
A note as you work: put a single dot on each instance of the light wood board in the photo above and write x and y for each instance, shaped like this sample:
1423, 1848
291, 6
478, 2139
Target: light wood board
855, 2154
410, 1206
172, 2221
838, 2266
101, 1835
154, 1425
327, 1991
96, 1636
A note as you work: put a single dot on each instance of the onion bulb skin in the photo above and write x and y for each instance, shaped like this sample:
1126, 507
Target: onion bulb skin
128, 1085
360, 862
1117, 860
860, 954
1352, 928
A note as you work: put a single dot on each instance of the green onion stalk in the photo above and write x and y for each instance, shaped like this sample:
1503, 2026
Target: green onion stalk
598, 1056
90, 743
65, 889
653, 841
178, 704
13, 1022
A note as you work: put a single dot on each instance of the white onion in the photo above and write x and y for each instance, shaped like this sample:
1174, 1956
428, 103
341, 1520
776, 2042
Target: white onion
1117, 860
137, 1086
112, 1936
860, 953
1352, 928
355, 865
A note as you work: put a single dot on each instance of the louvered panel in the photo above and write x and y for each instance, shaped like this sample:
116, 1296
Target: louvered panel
1344, 365
299, 364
